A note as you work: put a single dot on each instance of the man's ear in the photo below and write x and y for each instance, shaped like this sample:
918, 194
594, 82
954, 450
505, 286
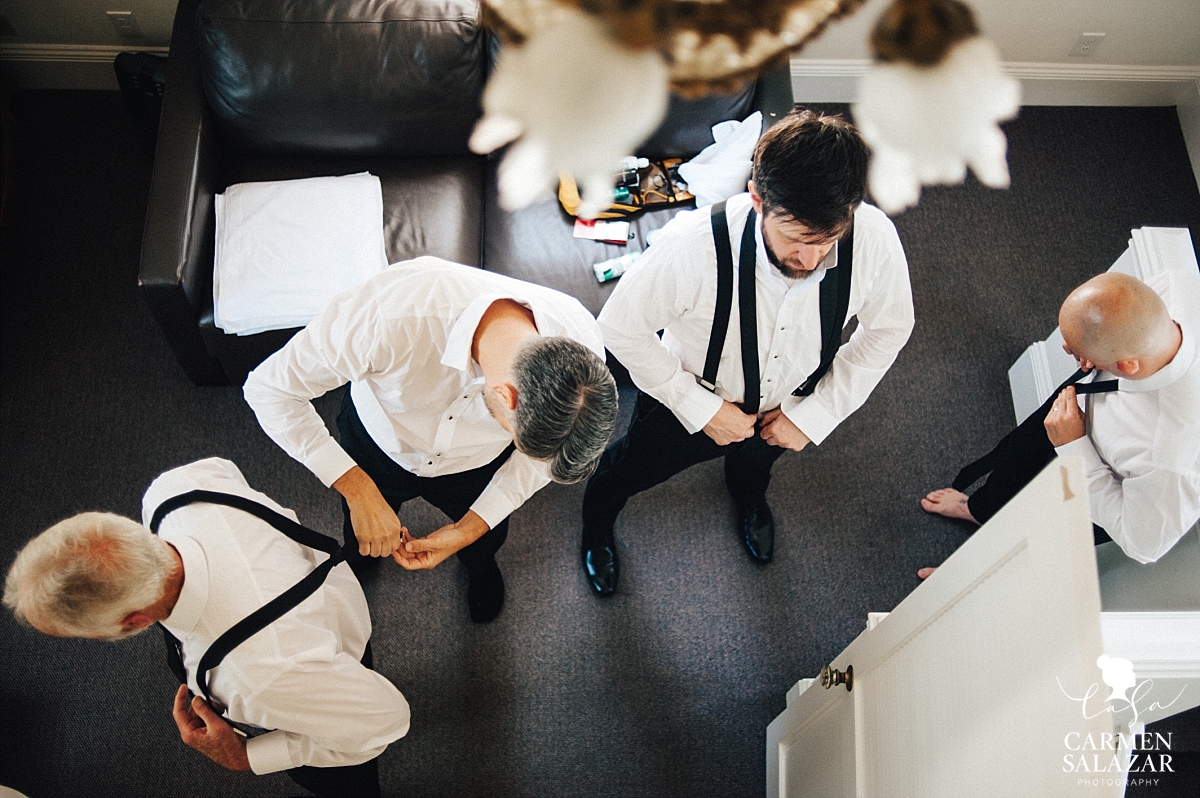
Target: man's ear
754, 198
135, 620
1129, 368
507, 393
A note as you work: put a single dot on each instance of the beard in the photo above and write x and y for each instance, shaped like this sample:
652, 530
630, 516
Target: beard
790, 272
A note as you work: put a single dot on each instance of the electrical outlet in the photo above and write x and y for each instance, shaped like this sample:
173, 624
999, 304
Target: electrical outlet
1087, 44
125, 23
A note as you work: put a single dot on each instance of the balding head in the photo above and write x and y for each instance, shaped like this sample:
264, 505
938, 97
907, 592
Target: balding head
1119, 324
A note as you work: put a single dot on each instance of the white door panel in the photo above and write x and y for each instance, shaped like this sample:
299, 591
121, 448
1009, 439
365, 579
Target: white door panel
960, 689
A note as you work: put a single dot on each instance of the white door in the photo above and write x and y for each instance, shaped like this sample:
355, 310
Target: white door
982, 682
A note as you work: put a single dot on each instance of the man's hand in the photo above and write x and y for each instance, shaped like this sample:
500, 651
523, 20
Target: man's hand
730, 425
419, 554
1065, 421
207, 732
375, 524
778, 430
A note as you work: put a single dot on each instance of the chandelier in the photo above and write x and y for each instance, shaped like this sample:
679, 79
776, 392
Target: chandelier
581, 83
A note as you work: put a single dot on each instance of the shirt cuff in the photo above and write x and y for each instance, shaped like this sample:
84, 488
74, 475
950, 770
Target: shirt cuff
268, 753
696, 409
493, 507
329, 462
1081, 447
812, 419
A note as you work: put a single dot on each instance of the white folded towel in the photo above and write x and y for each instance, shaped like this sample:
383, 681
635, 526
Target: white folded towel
284, 248
722, 169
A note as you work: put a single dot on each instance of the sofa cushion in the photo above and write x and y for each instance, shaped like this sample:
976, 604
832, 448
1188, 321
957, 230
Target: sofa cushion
431, 205
400, 77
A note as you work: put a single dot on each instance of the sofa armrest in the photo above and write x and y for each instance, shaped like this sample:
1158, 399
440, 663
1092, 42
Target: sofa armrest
773, 94
177, 245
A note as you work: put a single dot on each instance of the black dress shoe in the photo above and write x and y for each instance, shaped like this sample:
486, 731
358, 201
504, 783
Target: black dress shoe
485, 592
600, 566
756, 528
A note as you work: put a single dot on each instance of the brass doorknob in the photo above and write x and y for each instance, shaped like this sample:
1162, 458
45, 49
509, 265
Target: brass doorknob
832, 678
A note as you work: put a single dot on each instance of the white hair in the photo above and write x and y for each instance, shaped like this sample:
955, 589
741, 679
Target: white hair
83, 576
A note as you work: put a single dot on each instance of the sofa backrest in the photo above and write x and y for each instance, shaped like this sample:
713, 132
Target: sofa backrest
389, 77
687, 127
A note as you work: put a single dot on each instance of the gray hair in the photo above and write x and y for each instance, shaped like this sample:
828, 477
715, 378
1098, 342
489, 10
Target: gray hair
83, 576
566, 406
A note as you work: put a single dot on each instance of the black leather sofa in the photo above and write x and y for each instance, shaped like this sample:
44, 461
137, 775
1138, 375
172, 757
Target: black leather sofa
279, 89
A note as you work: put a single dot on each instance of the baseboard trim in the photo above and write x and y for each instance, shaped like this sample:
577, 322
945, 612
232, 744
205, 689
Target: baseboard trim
65, 66
836, 80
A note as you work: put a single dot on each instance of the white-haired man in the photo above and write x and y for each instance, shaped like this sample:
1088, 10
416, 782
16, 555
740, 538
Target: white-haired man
1139, 438
306, 676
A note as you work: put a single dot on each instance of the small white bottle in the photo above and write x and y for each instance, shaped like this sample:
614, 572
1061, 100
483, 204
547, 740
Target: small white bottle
615, 267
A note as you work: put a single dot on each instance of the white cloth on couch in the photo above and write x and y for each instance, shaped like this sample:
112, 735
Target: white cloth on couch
722, 169
284, 248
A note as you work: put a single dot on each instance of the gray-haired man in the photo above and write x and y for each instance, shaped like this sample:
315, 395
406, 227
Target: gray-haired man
306, 675
451, 368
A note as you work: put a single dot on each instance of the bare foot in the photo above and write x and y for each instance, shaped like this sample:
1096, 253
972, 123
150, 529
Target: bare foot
948, 502
924, 573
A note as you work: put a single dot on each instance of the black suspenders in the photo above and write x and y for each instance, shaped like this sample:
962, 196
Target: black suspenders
746, 307
834, 299
835, 302
258, 620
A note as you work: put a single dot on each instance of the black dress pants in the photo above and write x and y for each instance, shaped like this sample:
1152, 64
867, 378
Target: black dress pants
1017, 459
453, 494
1013, 468
657, 447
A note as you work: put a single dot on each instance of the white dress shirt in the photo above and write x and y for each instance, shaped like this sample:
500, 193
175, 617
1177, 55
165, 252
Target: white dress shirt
301, 675
673, 287
1142, 450
403, 341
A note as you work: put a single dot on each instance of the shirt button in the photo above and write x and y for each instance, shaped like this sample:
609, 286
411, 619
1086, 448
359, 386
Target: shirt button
430, 462
781, 329
450, 418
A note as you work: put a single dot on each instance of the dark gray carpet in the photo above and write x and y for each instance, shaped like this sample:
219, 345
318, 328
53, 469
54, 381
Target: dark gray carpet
666, 689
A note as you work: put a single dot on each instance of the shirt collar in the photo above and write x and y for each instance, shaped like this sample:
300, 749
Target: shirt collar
193, 597
457, 354
764, 262
1179, 365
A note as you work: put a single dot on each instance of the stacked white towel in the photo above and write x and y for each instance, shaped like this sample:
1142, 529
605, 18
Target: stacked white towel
284, 248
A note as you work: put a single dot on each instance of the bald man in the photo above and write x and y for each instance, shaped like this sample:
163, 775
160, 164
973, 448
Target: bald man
1140, 443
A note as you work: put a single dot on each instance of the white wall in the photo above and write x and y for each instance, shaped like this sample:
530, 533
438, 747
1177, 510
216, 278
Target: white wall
71, 43
1140, 32
1150, 55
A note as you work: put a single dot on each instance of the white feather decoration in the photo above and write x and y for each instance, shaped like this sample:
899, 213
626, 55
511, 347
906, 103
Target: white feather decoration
573, 101
926, 125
